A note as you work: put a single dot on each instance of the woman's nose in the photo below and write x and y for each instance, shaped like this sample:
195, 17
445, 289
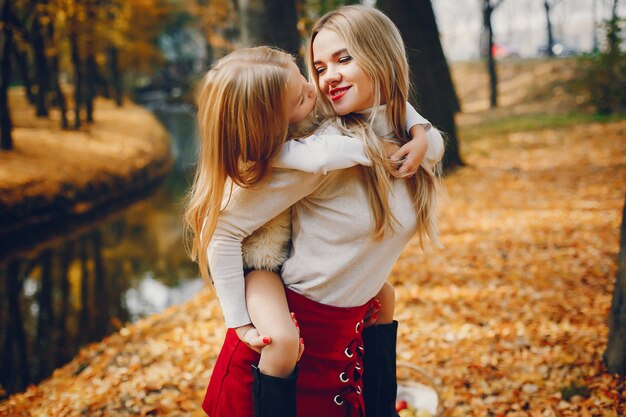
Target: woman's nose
331, 76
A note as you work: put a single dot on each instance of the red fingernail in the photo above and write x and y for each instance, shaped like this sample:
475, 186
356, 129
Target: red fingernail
375, 317
266, 340
301, 341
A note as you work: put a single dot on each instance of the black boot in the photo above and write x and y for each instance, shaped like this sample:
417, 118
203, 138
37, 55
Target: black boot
273, 396
379, 370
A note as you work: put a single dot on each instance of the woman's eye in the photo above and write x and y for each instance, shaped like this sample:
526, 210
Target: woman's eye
345, 59
320, 70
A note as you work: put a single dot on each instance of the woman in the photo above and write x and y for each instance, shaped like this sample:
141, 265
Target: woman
349, 228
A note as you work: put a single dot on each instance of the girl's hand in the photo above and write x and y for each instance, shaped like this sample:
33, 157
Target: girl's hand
249, 335
410, 156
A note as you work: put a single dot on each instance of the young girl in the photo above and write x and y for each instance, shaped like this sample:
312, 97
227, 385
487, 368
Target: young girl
239, 137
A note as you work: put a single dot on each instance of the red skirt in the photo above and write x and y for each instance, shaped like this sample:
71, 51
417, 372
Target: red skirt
329, 378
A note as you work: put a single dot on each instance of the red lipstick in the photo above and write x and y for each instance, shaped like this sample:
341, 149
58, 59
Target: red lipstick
337, 93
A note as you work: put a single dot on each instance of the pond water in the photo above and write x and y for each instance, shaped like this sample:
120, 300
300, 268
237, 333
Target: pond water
82, 286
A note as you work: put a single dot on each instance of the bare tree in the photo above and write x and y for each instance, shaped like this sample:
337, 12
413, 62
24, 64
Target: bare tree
489, 6
24, 72
55, 73
430, 75
39, 53
548, 5
615, 353
78, 71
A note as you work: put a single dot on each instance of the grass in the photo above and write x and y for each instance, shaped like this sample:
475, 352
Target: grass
531, 122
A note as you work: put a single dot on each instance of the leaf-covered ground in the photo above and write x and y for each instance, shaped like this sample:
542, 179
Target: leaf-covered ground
508, 319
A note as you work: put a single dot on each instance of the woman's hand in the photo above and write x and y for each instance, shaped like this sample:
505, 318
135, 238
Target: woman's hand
371, 314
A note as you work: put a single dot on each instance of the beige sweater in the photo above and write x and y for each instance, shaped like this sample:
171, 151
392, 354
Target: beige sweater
268, 247
333, 257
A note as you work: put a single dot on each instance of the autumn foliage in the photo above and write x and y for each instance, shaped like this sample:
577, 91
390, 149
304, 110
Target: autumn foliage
509, 319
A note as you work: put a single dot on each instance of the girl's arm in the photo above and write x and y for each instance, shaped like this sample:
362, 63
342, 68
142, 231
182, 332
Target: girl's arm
426, 147
413, 118
321, 153
247, 210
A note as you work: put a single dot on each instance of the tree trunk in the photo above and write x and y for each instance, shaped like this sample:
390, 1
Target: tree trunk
594, 30
270, 22
90, 84
54, 76
116, 78
613, 35
615, 353
488, 9
41, 66
546, 5
78, 78
22, 64
281, 29
91, 68
430, 75
6, 127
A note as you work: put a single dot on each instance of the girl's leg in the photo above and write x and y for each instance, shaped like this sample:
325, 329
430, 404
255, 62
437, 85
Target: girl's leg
268, 309
379, 360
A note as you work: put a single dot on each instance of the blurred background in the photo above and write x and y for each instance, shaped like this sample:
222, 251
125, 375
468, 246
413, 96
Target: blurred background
61, 290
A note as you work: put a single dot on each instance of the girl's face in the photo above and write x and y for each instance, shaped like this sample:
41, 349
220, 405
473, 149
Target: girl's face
300, 96
348, 88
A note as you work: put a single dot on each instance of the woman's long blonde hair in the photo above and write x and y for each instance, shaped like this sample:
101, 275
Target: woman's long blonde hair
376, 45
242, 123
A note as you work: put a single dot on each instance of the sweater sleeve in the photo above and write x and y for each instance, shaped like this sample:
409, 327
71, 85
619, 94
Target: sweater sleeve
247, 210
435, 146
414, 118
322, 153
435, 138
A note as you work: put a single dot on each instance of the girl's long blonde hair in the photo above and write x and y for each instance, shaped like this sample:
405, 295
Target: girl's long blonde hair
376, 45
242, 123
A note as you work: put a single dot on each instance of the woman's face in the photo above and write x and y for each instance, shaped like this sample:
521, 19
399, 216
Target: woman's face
300, 96
348, 88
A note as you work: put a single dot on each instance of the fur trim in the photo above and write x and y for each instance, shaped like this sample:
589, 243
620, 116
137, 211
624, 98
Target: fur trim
268, 247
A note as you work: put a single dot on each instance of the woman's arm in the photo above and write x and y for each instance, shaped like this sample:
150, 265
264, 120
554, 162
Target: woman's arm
247, 210
322, 153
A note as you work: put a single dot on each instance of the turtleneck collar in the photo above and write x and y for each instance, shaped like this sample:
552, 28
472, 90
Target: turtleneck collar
381, 125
